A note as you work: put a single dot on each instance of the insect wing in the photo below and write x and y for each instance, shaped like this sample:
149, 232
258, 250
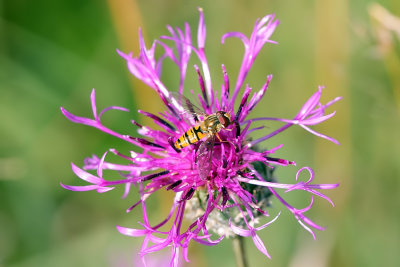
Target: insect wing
204, 156
189, 108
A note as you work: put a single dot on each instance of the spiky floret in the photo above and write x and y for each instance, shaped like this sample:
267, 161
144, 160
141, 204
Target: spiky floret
235, 195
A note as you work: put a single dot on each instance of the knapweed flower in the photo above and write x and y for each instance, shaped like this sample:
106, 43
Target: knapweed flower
223, 182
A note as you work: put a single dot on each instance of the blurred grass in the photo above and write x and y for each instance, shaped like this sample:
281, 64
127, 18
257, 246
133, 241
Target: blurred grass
53, 53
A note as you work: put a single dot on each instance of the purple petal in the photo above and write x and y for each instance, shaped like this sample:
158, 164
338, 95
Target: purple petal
80, 188
323, 186
93, 102
321, 135
310, 171
100, 166
259, 244
238, 230
318, 119
308, 207
131, 232
78, 119
175, 256
208, 243
85, 175
268, 223
201, 32
309, 105
313, 224
322, 196
110, 108
308, 229
101, 189
239, 35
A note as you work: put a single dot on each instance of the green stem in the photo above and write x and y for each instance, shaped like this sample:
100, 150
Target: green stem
238, 249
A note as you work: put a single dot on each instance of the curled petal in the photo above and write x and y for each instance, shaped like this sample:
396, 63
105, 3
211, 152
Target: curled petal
308, 207
310, 171
110, 108
238, 35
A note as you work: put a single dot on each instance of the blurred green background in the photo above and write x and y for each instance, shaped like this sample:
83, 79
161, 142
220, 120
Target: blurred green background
52, 53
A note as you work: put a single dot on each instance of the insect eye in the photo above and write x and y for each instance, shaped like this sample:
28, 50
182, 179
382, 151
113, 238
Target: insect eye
223, 119
227, 122
220, 117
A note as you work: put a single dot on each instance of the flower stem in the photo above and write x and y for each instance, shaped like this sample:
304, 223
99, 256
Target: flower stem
238, 249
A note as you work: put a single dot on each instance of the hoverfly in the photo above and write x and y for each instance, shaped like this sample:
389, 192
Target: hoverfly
208, 128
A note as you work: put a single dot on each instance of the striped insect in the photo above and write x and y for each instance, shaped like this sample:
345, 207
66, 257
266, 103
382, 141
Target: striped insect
208, 128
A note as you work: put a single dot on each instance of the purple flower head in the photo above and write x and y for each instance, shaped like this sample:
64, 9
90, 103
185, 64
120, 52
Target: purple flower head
223, 182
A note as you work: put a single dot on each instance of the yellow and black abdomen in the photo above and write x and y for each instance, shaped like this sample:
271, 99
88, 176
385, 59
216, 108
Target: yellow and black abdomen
191, 136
